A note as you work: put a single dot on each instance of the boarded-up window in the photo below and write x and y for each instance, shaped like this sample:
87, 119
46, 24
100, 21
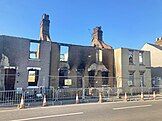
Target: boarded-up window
68, 82
33, 77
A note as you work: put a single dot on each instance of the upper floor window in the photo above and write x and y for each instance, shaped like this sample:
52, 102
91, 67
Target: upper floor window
34, 50
130, 56
64, 53
140, 57
100, 55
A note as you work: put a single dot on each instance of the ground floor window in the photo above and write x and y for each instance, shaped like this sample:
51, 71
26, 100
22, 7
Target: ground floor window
33, 76
105, 78
79, 78
131, 78
91, 78
63, 74
141, 78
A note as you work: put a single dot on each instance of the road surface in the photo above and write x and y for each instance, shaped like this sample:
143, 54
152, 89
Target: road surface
121, 111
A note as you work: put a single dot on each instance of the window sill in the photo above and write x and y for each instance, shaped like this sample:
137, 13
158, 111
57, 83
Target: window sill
141, 64
131, 64
63, 61
130, 85
30, 59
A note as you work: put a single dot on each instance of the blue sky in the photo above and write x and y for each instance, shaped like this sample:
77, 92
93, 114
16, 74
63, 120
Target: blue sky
125, 23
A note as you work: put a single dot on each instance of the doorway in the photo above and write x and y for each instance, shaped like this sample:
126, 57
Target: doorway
10, 76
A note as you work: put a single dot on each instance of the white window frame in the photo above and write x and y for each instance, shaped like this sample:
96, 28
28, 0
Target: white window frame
34, 50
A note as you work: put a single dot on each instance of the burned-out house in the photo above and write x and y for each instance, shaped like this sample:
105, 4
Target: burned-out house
78, 63
22, 65
78, 66
26, 62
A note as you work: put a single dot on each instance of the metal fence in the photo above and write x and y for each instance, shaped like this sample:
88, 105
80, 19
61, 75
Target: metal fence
68, 89
35, 97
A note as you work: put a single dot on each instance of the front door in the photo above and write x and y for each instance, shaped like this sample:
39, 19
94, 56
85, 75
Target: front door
10, 79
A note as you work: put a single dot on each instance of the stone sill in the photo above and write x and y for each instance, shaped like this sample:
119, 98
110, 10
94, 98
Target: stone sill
34, 59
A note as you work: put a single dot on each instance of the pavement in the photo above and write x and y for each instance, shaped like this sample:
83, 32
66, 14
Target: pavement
109, 111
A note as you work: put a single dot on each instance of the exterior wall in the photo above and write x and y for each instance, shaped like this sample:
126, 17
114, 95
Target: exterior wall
1, 77
118, 66
1, 48
156, 64
108, 61
80, 58
122, 67
155, 55
54, 65
17, 51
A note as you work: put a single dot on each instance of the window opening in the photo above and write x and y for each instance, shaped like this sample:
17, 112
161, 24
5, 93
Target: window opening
64, 53
33, 75
34, 50
130, 57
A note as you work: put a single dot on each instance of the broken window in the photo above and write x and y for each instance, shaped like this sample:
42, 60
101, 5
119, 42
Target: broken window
141, 58
105, 78
64, 53
33, 75
63, 74
131, 78
100, 55
79, 77
91, 78
130, 57
142, 78
34, 50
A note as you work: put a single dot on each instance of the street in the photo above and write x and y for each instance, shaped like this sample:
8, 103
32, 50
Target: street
121, 111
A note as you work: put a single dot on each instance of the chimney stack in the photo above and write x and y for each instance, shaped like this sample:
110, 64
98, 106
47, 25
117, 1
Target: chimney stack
158, 41
97, 33
97, 39
44, 28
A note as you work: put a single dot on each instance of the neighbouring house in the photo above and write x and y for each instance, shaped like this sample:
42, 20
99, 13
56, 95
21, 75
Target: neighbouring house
132, 68
156, 60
